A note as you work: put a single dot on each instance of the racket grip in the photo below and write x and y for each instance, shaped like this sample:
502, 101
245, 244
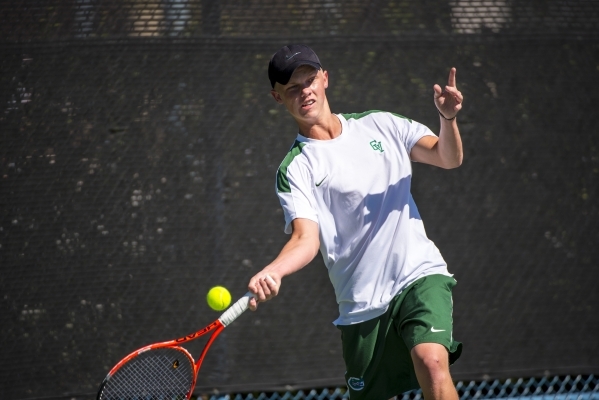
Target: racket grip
236, 309
239, 307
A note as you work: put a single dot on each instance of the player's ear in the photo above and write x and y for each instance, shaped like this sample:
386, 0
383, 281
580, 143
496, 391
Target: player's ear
325, 75
276, 96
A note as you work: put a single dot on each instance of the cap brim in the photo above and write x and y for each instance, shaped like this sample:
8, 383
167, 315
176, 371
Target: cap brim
288, 72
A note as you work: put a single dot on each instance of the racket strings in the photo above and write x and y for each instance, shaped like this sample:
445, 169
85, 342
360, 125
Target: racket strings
158, 374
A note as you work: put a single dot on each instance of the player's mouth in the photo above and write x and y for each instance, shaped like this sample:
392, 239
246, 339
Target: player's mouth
308, 104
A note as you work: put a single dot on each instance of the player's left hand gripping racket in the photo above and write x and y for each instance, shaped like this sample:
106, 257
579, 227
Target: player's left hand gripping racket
164, 370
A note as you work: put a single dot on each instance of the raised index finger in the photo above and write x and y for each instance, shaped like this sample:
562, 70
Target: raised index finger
451, 80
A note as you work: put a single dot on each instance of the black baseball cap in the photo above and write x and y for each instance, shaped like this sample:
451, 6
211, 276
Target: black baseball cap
287, 59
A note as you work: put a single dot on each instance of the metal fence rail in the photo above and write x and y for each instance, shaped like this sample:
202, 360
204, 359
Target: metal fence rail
581, 387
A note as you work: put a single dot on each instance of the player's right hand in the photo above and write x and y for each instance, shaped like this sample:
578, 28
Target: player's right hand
264, 286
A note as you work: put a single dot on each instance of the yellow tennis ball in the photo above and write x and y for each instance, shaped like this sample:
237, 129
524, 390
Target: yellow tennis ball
218, 298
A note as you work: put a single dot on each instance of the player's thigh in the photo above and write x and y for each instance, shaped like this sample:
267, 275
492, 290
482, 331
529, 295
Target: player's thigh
378, 364
426, 314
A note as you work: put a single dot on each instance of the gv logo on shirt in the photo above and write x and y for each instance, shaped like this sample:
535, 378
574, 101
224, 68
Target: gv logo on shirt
377, 146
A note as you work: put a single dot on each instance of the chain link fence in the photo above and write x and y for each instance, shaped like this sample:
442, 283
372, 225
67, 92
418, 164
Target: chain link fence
546, 388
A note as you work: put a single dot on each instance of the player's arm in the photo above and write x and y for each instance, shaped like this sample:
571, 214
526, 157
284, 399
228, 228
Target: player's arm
296, 254
446, 150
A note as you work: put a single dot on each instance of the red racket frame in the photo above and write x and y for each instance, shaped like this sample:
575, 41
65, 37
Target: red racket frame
215, 327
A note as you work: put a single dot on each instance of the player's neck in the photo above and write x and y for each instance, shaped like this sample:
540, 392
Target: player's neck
326, 127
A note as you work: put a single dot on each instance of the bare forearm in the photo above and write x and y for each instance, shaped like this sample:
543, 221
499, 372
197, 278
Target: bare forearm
449, 102
295, 255
444, 151
449, 146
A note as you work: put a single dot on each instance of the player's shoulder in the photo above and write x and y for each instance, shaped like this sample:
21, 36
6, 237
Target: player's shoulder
293, 154
377, 116
293, 159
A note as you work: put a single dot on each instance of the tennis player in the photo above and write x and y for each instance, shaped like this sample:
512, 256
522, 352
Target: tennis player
345, 190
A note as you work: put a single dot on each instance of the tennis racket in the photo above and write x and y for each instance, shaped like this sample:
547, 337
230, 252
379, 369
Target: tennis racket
164, 371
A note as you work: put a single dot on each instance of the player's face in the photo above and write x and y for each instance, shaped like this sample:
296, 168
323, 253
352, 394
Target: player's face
304, 94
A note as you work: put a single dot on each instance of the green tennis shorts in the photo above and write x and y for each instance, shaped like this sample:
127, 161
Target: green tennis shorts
377, 352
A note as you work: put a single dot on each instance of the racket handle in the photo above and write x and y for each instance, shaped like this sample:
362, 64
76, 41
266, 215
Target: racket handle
239, 307
236, 309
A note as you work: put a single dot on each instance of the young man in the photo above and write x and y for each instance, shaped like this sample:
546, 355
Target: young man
345, 190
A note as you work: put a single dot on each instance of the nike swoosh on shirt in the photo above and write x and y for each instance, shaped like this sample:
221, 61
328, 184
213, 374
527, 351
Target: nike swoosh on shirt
436, 330
319, 183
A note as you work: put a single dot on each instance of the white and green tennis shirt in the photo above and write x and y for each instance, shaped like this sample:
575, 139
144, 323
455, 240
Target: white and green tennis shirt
357, 188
